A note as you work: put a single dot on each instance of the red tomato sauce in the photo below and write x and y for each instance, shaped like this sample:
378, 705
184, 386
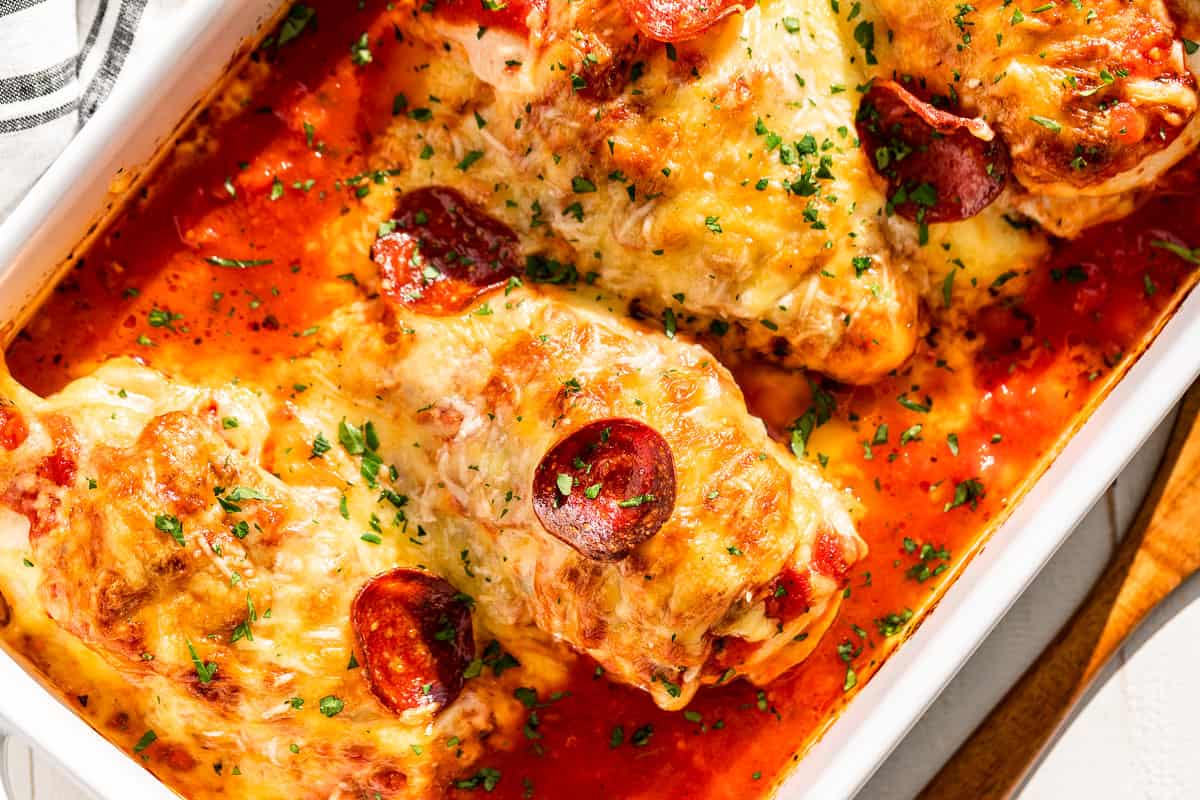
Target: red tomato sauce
178, 282
510, 15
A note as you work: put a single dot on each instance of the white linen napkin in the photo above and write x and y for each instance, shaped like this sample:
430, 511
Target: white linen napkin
59, 59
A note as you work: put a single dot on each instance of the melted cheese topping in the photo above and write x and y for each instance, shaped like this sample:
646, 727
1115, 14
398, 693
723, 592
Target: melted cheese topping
513, 381
720, 181
235, 615
213, 557
685, 190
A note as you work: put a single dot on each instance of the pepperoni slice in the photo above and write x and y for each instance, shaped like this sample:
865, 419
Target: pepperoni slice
676, 20
442, 252
940, 167
509, 15
606, 488
415, 637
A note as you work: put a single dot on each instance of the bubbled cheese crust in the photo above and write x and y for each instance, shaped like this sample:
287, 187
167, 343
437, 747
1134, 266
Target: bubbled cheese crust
266, 609
208, 546
663, 174
660, 170
477, 400
1090, 96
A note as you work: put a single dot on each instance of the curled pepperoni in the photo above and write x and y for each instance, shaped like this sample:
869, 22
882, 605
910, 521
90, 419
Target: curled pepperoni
415, 637
509, 15
442, 253
606, 488
940, 167
676, 20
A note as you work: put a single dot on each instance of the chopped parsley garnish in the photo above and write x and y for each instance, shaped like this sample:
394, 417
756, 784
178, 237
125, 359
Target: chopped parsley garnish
171, 525
892, 624
487, 778
948, 288
297, 19
913, 405
238, 263
670, 324
1046, 123
331, 706
1191, 255
969, 491
926, 566
204, 671
470, 158
820, 412
616, 737
360, 51
641, 736
231, 499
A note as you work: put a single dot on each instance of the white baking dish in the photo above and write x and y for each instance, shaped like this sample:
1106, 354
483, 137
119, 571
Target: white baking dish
63, 208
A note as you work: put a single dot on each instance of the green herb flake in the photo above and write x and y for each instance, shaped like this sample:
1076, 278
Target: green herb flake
170, 524
1046, 123
148, 738
331, 705
238, 263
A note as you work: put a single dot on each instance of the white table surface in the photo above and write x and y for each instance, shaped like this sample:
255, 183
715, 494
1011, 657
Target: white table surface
1134, 736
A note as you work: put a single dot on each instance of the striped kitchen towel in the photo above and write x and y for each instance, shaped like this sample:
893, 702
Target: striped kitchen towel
58, 61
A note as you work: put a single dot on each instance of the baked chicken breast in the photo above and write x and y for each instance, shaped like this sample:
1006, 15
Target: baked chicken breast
445, 477
769, 174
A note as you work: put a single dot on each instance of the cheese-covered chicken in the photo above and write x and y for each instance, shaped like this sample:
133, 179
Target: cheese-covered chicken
716, 185
1090, 97
621, 498
536, 468
769, 173
224, 574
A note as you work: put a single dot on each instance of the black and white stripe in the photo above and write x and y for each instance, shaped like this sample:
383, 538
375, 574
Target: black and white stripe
13, 6
119, 43
59, 59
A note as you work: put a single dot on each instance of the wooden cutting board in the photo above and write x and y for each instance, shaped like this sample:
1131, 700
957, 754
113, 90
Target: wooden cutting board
1161, 549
